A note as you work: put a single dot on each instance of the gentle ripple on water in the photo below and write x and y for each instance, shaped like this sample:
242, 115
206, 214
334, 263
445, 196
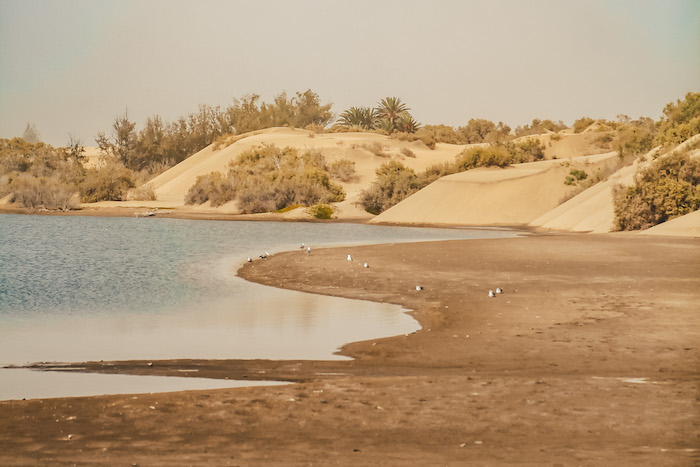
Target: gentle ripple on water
86, 288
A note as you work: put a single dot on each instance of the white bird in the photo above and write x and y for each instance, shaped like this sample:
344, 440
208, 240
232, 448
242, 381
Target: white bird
349, 258
264, 255
366, 265
308, 250
419, 287
301, 247
250, 260
491, 294
499, 290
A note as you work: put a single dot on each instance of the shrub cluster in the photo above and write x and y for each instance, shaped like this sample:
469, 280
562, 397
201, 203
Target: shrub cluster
575, 176
582, 123
167, 143
668, 188
395, 182
268, 178
680, 121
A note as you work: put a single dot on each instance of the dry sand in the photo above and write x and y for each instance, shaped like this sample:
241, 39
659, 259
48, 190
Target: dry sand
514, 195
590, 357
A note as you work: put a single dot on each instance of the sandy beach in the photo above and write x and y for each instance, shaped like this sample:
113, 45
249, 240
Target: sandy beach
589, 357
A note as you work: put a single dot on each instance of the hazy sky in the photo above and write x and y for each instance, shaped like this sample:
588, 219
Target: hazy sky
71, 66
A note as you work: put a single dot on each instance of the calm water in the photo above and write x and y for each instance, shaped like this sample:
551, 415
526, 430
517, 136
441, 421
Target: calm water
86, 288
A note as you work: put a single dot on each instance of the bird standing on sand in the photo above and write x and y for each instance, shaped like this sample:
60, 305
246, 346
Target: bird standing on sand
366, 265
250, 260
308, 250
491, 294
301, 247
419, 287
349, 258
499, 290
263, 256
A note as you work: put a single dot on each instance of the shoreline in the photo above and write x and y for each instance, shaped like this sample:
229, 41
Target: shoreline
590, 328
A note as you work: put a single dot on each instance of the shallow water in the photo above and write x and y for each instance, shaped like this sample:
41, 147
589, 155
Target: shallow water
86, 288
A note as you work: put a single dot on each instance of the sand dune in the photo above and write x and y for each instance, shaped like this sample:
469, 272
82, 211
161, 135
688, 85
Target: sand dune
172, 185
513, 195
684, 226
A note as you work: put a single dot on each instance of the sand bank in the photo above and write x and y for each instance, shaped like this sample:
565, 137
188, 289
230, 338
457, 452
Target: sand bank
589, 357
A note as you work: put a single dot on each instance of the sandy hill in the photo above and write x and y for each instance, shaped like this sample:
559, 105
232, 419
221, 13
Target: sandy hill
514, 195
172, 185
592, 210
684, 226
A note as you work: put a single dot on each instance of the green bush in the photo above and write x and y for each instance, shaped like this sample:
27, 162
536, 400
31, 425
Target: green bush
681, 120
213, 187
483, 157
321, 211
634, 138
668, 188
394, 183
575, 176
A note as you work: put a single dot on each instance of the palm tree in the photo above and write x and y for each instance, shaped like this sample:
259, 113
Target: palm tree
391, 109
362, 117
407, 123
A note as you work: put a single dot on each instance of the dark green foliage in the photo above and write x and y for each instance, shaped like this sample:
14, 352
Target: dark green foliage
668, 188
321, 211
389, 116
575, 176
394, 183
267, 179
681, 120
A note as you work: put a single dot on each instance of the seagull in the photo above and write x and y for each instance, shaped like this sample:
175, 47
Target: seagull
265, 255
499, 290
491, 294
349, 258
308, 250
366, 265
419, 287
250, 260
301, 247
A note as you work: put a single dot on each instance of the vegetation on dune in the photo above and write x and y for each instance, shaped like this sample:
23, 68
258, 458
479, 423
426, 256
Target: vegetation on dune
161, 144
537, 127
389, 116
582, 123
266, 179
681, 120
668, 188
396, 182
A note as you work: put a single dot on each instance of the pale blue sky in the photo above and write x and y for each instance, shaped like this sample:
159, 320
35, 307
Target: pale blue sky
71, 66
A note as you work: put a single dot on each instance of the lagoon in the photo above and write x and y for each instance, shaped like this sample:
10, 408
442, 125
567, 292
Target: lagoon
90, 288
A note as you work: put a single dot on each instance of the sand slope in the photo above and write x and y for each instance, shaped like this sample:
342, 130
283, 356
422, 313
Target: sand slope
684, 226
172, 185
514, 195
592, 210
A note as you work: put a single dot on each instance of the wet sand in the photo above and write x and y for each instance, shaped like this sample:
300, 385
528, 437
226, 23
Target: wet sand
589, 357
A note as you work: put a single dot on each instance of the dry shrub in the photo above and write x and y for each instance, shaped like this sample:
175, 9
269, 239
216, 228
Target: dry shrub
343, 170
142, 193
108, 183
212, 187
43, 193
377, 149
407, 152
